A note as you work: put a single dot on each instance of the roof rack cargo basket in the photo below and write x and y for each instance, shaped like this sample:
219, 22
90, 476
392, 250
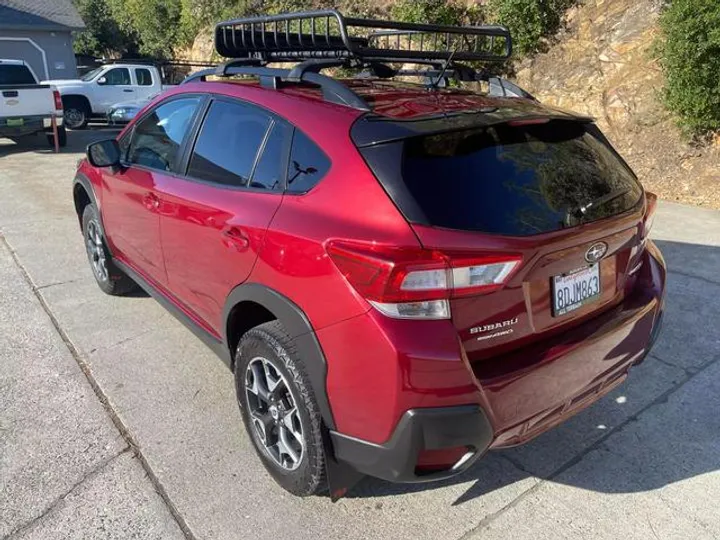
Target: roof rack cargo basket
328, 34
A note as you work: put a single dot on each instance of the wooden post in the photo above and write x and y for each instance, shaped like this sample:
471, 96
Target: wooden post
55, 133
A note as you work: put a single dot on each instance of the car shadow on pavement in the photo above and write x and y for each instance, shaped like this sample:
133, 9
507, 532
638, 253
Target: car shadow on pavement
77, 140
673, 431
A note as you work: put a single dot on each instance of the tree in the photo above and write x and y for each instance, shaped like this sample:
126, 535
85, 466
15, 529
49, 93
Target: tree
690, 58
155, 22
102, 36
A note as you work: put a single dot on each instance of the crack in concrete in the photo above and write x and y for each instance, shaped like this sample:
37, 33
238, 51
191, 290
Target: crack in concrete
693, 276
662, 398
54, 504
685, 370
41, 287
125, 340
104, 400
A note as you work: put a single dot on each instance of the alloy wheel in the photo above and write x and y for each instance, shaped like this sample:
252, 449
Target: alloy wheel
96, 250
274, 414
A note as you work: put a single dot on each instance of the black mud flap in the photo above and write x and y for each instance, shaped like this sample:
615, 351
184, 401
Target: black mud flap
341, 477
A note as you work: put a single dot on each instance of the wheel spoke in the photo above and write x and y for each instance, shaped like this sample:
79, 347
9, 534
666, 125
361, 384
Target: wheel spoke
288, 424
273, 378
286, 448
259, 384
263, 416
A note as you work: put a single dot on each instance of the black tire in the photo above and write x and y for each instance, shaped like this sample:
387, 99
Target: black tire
112, 281
270, 341
76, 113
62, 137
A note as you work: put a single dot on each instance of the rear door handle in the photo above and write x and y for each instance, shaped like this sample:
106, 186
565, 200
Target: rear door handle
128, 90
236, 238
151, 201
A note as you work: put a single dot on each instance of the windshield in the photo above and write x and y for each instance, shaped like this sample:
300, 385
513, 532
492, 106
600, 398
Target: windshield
90, 75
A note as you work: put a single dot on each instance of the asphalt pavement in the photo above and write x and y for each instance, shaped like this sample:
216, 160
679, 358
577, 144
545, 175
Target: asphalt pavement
116, 422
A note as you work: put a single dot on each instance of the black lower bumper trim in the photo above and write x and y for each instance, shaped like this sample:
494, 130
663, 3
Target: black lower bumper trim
418, 429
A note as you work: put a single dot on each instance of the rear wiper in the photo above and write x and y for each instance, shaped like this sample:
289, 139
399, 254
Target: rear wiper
581, 210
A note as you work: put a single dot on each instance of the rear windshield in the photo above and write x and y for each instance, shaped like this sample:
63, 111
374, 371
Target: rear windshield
516, 180
15, 75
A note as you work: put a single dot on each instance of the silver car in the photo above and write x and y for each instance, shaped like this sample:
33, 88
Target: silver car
123, 112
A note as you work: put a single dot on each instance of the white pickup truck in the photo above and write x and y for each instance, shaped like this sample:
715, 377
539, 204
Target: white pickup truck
94, 93
26, 107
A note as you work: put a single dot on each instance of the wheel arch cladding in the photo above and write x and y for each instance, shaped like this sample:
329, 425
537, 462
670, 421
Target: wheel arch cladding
83, 195
263, 302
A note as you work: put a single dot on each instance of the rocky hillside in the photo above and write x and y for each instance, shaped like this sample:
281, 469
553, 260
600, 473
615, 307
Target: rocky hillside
602, 65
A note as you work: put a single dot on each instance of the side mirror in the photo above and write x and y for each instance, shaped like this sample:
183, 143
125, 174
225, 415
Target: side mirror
104, 153
101, 81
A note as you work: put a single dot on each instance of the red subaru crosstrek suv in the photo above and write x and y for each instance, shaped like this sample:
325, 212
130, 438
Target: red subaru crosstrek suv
401, 276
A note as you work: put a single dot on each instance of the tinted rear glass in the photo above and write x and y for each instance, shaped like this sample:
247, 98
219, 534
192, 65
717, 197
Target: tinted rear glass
517, 181
15, 74
308, 164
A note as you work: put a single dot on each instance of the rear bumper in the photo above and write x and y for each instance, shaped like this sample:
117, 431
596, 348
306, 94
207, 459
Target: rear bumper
30, 124
419, 430
538, 387
506, 401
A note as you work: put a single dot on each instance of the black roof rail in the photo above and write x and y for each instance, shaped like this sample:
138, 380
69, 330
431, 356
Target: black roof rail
333, 90
329, 34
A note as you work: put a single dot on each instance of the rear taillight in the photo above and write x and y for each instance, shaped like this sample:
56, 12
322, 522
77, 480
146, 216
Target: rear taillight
413, 283
649, 218
58, 100
645, 228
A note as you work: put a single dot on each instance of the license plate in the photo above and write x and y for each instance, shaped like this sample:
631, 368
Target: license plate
15, 122
575, 289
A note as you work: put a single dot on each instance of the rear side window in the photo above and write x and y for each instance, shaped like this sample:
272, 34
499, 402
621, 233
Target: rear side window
229, 143
117, 77
308, 164
143, 77
15, 75
157, 137
516, 180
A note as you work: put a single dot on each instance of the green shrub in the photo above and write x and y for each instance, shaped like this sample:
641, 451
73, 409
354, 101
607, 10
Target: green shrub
529, 21
434, 12
690, 58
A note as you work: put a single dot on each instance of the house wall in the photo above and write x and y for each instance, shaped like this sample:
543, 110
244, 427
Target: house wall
57, 46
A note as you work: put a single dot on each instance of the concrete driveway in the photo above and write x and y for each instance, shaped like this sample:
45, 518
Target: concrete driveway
115, 422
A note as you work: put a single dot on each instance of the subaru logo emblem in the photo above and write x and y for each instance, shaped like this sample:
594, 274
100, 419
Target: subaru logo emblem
596, 252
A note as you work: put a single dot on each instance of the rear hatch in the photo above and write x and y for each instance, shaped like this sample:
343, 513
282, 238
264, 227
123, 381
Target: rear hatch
548, 195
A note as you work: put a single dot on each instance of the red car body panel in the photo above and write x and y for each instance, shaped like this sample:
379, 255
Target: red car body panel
198, 242
226, 230
129, 199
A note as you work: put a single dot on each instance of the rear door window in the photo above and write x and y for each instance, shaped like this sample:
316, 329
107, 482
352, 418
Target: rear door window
143, 77
517, 180
117, 77
230, 140
270, 170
